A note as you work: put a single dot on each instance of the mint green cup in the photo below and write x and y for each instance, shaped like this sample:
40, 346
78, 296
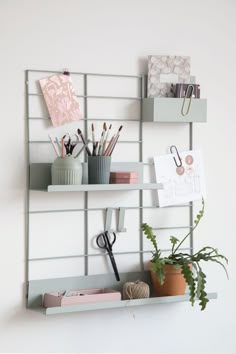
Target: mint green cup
66, 170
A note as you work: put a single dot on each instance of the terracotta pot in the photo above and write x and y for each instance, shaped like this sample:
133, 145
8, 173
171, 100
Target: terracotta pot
174, 283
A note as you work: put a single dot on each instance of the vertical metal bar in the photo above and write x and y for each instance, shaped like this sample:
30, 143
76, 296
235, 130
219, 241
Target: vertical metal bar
27, 199
142, 93
191, 203
86, 193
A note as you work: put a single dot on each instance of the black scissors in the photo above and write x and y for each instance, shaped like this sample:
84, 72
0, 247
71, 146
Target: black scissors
69, 143
103, 241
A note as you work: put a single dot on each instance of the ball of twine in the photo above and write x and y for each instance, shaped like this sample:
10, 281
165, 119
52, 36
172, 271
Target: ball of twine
135, 290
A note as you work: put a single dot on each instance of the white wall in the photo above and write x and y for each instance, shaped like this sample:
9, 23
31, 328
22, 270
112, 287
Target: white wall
115, 37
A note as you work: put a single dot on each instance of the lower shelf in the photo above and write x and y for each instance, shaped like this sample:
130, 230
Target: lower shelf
118, 304
37, 288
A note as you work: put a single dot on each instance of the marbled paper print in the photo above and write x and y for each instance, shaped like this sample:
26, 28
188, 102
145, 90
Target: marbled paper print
165, 71
60, 98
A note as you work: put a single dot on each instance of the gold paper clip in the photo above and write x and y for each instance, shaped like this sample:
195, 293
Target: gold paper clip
190, 94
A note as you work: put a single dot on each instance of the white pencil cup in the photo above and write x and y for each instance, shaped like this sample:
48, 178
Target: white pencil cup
66, 170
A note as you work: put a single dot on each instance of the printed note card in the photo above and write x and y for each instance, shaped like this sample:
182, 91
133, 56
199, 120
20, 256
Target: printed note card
164, 71
60, 98
181, 184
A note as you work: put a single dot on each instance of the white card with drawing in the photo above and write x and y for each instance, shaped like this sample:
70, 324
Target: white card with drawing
182, 184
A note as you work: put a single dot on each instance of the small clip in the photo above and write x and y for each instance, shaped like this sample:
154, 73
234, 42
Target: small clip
108, 219
121, 222
187, 95
66, 72
177, 153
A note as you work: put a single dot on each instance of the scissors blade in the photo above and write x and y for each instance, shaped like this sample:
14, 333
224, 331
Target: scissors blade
114, 266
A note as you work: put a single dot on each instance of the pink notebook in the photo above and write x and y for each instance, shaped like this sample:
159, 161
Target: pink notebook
60, 98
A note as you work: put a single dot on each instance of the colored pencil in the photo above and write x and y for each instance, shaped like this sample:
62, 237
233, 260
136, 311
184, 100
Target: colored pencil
54, 146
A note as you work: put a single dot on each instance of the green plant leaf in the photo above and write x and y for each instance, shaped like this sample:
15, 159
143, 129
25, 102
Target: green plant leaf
158, 268
174, 240
150, 235
202, 295
188, 276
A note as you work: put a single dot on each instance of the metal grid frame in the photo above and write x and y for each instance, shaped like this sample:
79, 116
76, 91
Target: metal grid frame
86, 209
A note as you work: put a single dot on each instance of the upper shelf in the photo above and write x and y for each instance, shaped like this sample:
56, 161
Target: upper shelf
167, 109
103, 187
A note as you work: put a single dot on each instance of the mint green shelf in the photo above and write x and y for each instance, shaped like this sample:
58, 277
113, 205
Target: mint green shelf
38, 287
104, 187
119, 304
40, 179
168, 110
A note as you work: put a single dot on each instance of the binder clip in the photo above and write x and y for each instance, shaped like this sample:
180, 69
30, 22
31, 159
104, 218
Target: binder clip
66, 72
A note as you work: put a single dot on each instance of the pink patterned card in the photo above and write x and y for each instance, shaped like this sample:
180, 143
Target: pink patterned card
60, 98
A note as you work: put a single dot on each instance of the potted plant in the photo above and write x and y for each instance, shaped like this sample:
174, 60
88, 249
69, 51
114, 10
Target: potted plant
171, 274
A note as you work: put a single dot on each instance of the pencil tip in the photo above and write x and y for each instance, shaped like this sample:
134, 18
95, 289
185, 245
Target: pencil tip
110, 126
120, 128
92, 127
104, 126
79, 131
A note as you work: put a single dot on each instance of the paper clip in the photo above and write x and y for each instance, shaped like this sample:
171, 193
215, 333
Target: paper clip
177, 153
187, 95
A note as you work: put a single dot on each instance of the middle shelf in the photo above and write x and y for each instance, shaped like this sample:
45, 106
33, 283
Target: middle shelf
40, 179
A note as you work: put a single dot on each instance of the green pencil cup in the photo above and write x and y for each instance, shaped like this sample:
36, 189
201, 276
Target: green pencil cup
66, 170
99, 169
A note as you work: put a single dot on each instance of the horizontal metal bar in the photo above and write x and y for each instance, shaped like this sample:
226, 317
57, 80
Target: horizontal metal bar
104, 208
93, 119
91, 96
119, 141
99, 254
88, 74
173, 227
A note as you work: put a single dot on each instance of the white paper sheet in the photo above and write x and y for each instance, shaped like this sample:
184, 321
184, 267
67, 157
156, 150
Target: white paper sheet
181, 184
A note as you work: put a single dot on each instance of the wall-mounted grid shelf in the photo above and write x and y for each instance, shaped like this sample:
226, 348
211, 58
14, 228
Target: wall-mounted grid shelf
39, 180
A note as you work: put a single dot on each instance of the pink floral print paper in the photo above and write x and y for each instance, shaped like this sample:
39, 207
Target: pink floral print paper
164, 71
60, 99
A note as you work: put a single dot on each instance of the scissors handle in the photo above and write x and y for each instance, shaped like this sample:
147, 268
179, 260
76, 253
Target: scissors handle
102, 242
114, 266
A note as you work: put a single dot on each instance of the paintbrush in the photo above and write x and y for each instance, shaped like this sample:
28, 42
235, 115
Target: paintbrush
106, 139
115, 141
106, 153
83, 140
102, 139
94, 142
